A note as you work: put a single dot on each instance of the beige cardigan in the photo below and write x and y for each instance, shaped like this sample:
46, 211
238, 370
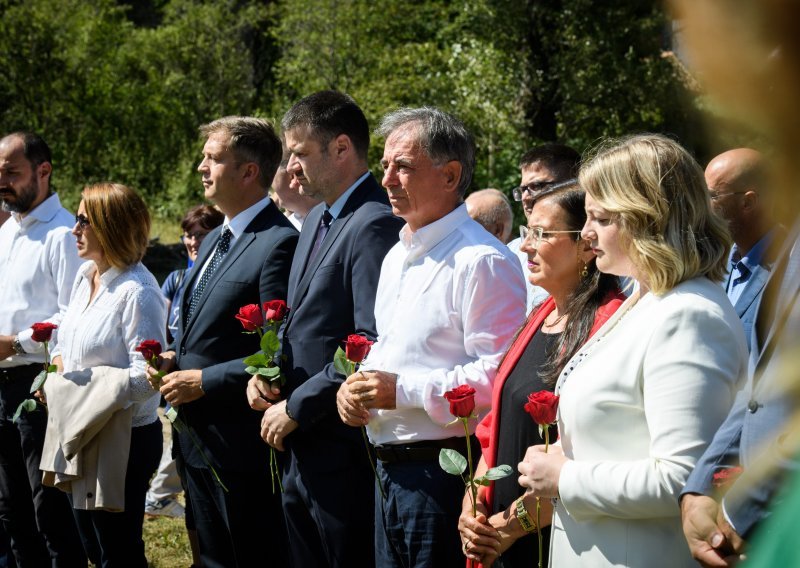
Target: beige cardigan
88, 437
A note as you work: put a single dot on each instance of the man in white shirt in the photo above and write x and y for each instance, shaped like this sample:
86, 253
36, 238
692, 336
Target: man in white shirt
540, 167
38, 263
450, 297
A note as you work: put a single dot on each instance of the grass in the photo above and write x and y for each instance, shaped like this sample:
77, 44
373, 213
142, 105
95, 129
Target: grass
166, 544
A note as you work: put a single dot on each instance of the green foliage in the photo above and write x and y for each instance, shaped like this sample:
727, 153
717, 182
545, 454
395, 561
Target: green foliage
452, 462
342, 364
119, 92
27, 405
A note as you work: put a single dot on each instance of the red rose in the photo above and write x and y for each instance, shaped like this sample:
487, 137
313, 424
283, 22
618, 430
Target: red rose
356, 347
250, 317
542, 406
43, 331
725, 476
462, 401
275, 310
150, 349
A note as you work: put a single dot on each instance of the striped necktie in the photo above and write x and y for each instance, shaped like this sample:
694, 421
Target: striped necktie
222, 248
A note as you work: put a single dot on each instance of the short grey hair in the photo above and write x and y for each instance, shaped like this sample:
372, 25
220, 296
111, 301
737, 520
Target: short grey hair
442, 136
491, 207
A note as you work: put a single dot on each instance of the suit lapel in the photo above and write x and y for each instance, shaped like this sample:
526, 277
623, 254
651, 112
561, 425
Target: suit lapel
751, 290
304, 245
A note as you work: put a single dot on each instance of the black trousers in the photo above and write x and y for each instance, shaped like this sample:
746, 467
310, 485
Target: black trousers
37, 519
227, 535
114, 540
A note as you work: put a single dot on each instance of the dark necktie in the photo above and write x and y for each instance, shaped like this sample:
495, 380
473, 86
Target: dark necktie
322, 230
222, 248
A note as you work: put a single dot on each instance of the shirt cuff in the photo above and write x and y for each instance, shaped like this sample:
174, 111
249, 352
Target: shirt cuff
727, 517
28, 344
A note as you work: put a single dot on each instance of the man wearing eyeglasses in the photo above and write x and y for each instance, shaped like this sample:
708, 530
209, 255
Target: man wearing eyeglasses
38, 264
540, 167
739, 192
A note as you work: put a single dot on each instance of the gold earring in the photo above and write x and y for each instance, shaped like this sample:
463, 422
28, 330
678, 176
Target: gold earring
584, 271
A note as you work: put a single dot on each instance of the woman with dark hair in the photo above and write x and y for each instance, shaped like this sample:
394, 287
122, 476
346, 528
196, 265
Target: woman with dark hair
196, 224
581, 299
104, 397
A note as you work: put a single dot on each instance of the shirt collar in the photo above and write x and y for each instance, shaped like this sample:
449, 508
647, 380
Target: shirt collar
427, 237
336, 209
43, 213
238, 224
755, 256
106, 278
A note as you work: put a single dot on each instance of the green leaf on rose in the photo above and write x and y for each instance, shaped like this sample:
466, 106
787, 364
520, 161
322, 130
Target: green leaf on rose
341, 363
27, 405
38, 381
269, 372
52, 369
256, 360
498, 472
251, 370
270, 342
452, 462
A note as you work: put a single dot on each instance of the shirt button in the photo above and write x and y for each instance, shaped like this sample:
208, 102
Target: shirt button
89, 495
752, 406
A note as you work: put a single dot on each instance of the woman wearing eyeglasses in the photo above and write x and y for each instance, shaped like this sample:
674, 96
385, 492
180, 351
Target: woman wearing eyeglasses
104, 393
580, 300
642, 399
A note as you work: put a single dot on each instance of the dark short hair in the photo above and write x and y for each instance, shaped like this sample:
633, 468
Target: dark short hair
442, 136
563, 161
34, 148
204, 215
329, 114
251, 140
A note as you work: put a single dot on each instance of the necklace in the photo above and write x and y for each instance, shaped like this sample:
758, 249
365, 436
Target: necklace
556, 322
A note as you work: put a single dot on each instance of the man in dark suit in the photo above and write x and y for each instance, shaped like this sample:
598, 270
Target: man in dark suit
328, 483
756, 431
740, 193
245, 261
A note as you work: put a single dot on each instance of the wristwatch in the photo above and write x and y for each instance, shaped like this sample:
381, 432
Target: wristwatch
17, 346
525, 521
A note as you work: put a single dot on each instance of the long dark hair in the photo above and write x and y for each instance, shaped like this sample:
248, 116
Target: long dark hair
590, 294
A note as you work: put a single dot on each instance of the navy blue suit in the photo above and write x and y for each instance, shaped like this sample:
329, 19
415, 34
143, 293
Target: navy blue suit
255, 270
328, 483
755, 427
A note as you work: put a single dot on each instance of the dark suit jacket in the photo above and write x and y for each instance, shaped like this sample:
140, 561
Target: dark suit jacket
329, 299
754, 428
255, 270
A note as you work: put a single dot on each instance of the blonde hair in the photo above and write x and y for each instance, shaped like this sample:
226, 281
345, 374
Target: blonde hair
120, 221
657, 194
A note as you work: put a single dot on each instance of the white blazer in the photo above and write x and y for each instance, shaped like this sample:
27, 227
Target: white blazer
639, 404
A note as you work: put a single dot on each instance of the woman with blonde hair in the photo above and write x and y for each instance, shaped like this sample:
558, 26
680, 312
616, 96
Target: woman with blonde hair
115, 305
643, 397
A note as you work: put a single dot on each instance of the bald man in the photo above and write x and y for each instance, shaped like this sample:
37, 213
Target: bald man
740, 193
491, 208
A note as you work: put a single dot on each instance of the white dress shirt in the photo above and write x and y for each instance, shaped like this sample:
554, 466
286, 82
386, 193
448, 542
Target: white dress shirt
127, 309
38, 263
448, 303
536, 294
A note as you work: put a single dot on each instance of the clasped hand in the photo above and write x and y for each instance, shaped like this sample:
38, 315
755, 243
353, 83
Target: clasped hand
275, 424
540, 471
364, 390
177, 387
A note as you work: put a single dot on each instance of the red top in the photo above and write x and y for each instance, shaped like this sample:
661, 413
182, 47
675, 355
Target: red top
487, 430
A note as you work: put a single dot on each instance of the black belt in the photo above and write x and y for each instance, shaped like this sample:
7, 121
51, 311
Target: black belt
427, 450
10, 374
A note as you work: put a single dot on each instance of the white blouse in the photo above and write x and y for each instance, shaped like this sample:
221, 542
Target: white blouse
127, 309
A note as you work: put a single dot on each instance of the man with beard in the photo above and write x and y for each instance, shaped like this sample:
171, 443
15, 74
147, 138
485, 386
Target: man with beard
38, 263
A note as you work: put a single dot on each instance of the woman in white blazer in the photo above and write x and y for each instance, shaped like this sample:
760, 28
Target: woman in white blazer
643, 398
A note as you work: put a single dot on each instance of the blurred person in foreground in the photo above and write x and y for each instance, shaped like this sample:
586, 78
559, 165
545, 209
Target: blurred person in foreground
748, 54
581, 300
115, 305
641, 400
287, 189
